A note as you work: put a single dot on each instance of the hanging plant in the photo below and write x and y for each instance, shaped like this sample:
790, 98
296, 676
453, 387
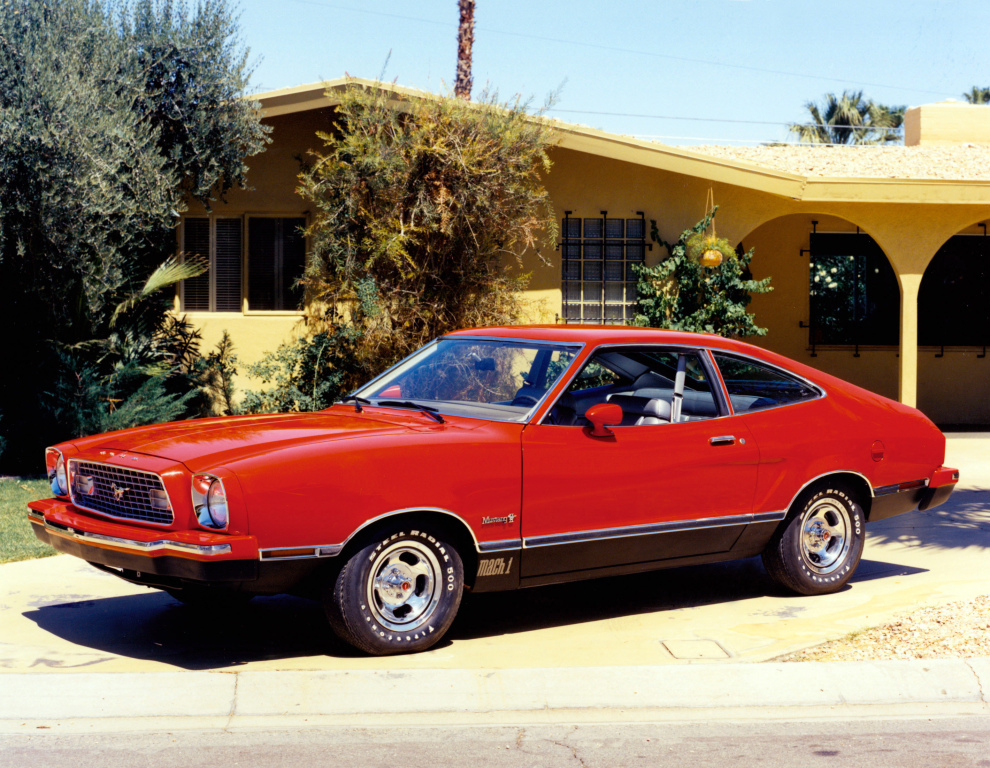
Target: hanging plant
705, 247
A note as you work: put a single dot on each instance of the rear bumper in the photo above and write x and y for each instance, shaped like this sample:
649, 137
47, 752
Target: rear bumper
920, 494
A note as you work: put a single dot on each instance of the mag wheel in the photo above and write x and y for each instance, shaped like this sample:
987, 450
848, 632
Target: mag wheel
397, 595
817, 549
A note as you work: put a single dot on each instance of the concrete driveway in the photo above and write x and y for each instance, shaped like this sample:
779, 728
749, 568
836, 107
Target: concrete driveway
60, 615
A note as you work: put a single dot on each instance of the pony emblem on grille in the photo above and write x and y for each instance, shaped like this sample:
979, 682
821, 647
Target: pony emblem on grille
118, 492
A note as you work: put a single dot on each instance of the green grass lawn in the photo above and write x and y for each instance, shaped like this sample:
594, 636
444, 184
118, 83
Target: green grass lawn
17, 540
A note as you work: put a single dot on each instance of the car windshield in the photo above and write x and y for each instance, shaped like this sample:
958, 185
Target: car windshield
480, 378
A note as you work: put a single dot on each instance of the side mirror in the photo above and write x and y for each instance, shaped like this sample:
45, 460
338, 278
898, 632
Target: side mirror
602, 416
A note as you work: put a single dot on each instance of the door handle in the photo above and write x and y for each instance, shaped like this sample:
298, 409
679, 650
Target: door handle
723, 440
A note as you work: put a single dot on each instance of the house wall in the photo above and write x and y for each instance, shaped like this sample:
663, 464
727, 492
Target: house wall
951, 389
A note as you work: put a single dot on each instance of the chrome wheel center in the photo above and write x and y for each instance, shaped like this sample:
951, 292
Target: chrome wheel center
825, 537
394, 584
404, 586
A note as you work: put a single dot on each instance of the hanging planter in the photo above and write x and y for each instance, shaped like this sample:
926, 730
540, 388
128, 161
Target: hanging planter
707, 248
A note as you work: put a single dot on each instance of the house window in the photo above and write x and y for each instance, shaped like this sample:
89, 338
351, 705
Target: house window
218, 240
597, 279
275, 258
954, 297
854, 295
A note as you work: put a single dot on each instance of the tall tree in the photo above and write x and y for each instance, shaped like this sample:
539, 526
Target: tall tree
850, 119
977, 95
465, 43
110, 113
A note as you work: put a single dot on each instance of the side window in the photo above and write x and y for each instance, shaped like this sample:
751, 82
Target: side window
753, 387
593, 375
643, 381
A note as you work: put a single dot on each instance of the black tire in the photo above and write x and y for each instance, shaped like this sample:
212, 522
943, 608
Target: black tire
209, 598
398, 594
817, 548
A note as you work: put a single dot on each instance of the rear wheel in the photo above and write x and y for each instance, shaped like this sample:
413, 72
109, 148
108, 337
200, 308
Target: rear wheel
398, 594
817, 549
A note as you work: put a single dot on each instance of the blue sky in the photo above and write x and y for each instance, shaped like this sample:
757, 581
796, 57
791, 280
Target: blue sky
752, 62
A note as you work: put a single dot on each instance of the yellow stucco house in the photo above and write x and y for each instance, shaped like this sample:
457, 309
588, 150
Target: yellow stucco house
878, 254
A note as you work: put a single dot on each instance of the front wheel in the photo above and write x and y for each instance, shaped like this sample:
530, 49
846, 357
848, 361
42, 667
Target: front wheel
817, 549
398, 594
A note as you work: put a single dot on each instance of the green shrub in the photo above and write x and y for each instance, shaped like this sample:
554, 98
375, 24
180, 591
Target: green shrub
681, 294
308, 374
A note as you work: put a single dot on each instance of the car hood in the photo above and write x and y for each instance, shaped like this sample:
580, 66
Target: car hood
203, 442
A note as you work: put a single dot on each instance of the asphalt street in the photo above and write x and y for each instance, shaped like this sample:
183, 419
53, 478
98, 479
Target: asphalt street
874, 742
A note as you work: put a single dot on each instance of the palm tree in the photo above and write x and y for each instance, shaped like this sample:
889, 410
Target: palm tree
978, 95
850, 119
465, 41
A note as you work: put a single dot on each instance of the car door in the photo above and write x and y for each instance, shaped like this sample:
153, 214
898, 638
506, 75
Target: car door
653, 490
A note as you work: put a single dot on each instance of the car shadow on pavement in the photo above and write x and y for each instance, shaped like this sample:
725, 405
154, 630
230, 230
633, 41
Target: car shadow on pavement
962, 521
153, 626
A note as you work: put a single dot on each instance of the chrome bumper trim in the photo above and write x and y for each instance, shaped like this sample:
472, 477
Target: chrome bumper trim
140, 546
297, 553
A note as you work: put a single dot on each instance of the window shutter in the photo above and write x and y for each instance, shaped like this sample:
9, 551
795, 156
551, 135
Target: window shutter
228, 265
196, 242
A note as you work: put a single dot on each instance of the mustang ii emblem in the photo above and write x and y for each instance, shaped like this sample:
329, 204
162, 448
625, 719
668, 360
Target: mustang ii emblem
118, 492
490, 520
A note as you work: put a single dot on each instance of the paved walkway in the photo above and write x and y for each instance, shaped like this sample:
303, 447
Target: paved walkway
64, 625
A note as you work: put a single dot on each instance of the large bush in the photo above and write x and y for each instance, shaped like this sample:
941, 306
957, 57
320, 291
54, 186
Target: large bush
423, 208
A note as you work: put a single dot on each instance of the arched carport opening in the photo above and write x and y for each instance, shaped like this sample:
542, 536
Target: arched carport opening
954, 331
836, 299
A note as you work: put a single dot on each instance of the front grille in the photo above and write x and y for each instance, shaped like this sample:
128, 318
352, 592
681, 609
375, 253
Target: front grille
127, 494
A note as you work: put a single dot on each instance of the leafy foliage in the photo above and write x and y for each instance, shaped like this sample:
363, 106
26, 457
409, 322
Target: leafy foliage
976, 95
109, 113
307, 374
680, 294
850, 119
419, 207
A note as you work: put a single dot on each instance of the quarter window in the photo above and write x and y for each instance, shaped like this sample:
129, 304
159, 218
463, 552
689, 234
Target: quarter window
753, 387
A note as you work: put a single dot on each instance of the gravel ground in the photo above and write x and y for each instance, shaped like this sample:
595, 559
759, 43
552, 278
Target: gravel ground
957, 162
952, 631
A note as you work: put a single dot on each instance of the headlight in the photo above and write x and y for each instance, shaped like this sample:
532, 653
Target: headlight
57, 476
209, 501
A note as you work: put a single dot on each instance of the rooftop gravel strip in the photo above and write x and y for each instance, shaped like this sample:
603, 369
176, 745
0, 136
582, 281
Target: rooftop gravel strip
958, 162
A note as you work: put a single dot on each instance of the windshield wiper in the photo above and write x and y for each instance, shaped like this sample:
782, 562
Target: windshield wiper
431, 412
358, 402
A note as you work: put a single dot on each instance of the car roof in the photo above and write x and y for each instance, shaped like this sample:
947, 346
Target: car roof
603, 334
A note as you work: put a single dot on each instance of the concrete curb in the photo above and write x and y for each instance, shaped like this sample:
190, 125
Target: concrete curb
250, 696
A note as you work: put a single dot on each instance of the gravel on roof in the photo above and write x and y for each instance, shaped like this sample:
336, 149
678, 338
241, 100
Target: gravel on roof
957, 162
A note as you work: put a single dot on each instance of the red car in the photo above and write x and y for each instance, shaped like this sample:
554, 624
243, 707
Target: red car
501, 458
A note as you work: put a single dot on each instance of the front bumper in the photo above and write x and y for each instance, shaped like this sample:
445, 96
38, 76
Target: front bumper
921, 494
156, 557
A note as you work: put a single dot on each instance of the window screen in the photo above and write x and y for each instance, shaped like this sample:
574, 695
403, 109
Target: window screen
854, 295
276, 261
